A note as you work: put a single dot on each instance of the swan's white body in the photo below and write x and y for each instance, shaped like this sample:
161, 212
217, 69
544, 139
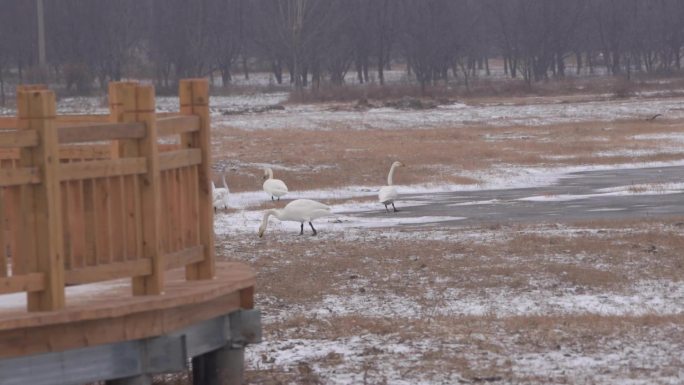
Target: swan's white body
220, 194
388, 194
273, 187
299, 210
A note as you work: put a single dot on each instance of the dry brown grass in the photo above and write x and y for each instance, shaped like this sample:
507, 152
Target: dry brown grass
588, 257
595, 257
442, 156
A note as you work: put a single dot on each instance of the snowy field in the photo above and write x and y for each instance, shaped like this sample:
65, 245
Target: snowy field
420, 297
386, 301
536, 113
416, 298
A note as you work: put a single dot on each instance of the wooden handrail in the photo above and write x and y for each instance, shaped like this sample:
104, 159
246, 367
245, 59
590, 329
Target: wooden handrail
176, 125
103, 168
13, 139
29, 282
100, 132
105, 211
90, 274
18, 176
179, 158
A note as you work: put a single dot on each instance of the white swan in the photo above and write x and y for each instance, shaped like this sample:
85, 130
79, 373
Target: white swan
273, 187
299, 210
220, 194
388, 193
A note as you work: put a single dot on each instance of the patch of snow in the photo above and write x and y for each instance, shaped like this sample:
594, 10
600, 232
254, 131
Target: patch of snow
643, 298
321, 117
675, 136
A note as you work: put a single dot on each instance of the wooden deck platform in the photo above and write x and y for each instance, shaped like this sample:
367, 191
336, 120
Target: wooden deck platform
107, 260
106, 312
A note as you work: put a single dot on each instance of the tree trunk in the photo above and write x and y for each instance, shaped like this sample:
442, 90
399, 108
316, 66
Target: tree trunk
3, 98
359, 71
226, 76
277, 69
561, 64
245, 67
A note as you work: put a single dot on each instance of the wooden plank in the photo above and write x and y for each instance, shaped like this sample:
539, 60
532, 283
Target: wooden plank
138, 218
178, 209
10, 154
142, 105
184, 257
106, 272
196, 239
100, 132
113, 299
165, 212
4, 245
36, 111
22, 138
130, 209
103, 168
102, 240
22, 283
132, 220
118, 218
179, 158
177, 125
194, 100
8, 122
89, 222
19, 176
77, 224
13, 229
63, 120
85, 152
68, 231
138, 325
183, 206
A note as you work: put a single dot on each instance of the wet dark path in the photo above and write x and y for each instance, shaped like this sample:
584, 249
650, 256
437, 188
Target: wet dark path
574, 198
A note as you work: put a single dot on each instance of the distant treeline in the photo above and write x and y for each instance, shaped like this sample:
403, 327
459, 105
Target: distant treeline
307, 42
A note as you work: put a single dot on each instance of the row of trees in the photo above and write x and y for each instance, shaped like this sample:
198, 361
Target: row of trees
314, 41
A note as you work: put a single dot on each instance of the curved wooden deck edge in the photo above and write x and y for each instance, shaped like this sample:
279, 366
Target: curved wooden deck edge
90, 320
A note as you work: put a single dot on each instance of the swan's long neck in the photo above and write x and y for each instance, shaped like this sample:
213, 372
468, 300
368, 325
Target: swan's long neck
267, 214
270, 173
390, 176
223, 178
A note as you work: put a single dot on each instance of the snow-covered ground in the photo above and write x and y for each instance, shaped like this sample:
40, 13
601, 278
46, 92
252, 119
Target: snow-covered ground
394, 350
322, 117
389, 357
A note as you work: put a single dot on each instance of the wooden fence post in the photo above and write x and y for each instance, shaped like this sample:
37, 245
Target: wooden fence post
138, 105
115, 95
194, 100
41, 204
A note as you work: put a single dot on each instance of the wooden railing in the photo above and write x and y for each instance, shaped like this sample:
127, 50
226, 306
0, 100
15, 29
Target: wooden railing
94, 199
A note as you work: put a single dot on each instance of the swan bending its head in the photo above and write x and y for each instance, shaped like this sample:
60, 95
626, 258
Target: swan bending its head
299, 210
220, 194
388, 194
273, 187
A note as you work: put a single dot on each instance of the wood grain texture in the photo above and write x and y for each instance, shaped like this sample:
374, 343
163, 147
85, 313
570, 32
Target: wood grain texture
194, 100
114, 315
